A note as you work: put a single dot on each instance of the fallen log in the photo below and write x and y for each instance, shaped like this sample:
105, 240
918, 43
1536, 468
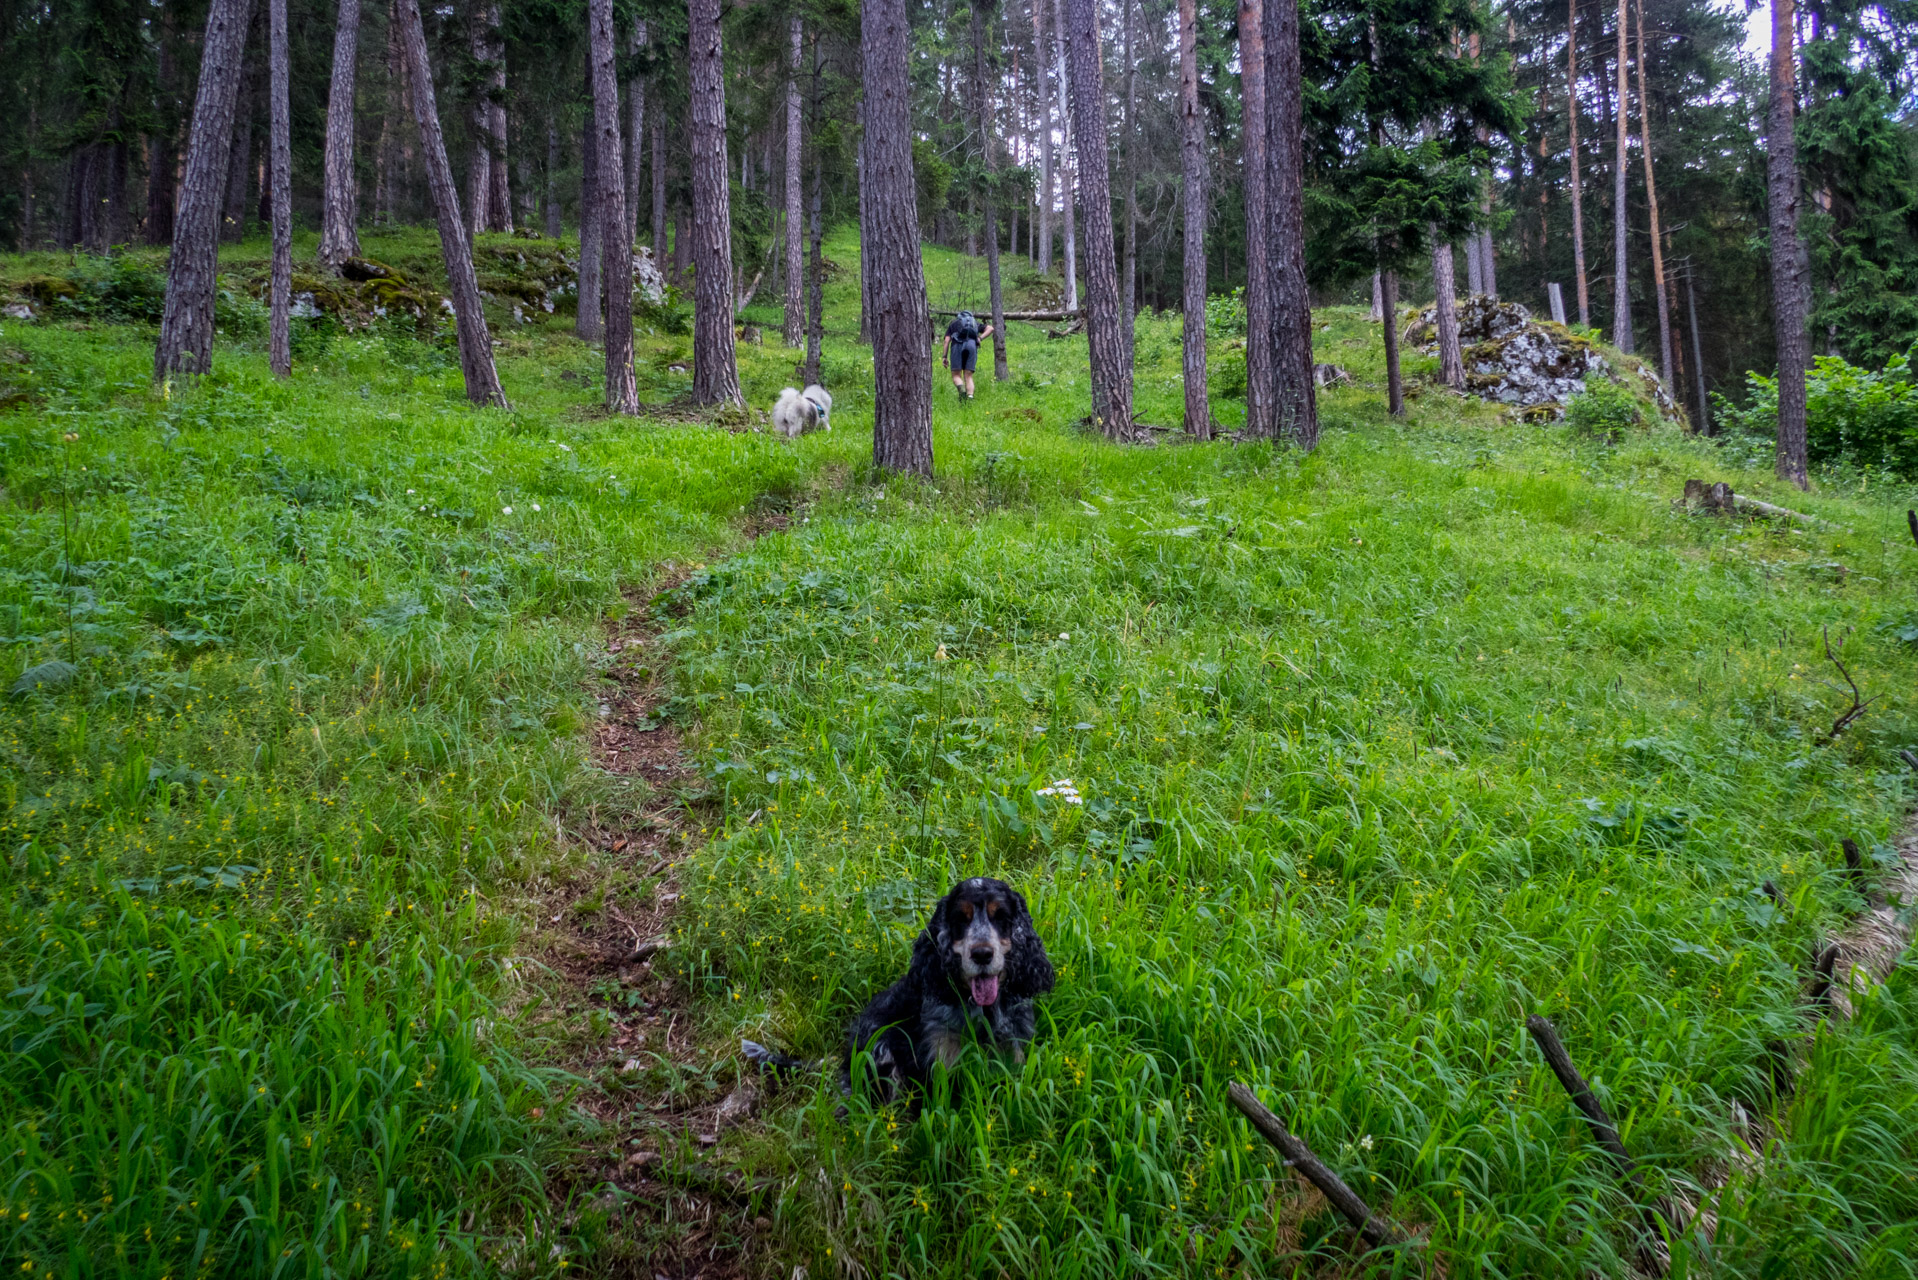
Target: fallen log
1020, 315
1300, 1156
1719, 497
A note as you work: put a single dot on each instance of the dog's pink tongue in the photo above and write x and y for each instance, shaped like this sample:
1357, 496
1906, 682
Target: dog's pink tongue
985, 990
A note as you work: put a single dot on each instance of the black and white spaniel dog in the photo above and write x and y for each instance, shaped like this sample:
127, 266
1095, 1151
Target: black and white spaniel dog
976, 969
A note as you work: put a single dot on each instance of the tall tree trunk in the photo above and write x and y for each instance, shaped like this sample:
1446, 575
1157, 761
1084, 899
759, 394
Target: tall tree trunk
1621, 266
982, 101
161, 147
815, 278
1651, 199
889, 217
1042, 91
386, 157
659, 190
553, 225
280, 162
795, 278
499, 199
1110, 350
239, 166
1698, 353
1258, 286
186, 324
1198, 409
1394, 383
476, 343
622, 392
1578, 194
1295, 400
1790, 273
479, 174
1129, 271
715, 364
339, 201
589, 324
635, 134
1069, 165
1445, 306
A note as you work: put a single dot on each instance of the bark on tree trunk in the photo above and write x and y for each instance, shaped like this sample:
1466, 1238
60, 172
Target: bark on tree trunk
1295, 400
476, 343
1378, 291
1042, 91
1258, 285
160, 149
553, 227
186, 324
339, 201
1111, 352
499, 200
589, 324
1651, 200
983, 104
1474, 272
1698, 354
1068, 162
815, 282
280, 162
1394, 384
386, 158
659, 190
1578, 194
634, 135
479, 174
622, 391
715, 363
1198, 409
795, 271
1444, 289
1129, 270
1789, 270
1621, 273
889, 216
239, 166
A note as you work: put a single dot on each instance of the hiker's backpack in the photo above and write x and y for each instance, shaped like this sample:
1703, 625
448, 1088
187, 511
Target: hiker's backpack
968, 327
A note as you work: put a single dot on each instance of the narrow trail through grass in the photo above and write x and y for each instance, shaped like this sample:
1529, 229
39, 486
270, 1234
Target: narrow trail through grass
1381, 750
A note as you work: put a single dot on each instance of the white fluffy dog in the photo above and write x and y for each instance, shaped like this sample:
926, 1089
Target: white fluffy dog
801, 411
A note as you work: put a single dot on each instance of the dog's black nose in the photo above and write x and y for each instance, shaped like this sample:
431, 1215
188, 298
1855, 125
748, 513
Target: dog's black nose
982, 956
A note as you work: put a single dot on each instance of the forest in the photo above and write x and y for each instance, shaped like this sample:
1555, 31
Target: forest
1411, 619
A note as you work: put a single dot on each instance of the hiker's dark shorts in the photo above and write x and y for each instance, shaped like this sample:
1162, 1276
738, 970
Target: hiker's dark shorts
965, 356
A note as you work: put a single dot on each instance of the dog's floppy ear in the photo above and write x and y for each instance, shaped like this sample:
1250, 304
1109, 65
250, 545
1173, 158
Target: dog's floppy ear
934, 944
1028, 970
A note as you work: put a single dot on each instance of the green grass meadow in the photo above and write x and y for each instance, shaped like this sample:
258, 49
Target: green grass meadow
1381, 750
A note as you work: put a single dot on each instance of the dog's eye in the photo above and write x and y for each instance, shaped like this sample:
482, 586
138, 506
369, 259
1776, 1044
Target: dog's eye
965, 909
994, 909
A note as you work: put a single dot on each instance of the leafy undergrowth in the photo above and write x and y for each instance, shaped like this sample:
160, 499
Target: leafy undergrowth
1380, 750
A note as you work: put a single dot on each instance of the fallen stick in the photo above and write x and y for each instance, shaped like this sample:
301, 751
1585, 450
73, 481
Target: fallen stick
1603, 1131
1330, 1185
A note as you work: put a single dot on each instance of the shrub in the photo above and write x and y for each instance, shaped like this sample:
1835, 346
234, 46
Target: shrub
1603, 409
1860, 416
1225, 315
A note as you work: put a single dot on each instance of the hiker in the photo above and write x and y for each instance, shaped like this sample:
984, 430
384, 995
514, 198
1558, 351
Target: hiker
961, 350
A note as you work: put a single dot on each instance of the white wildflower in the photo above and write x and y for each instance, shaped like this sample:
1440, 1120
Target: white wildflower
506, 510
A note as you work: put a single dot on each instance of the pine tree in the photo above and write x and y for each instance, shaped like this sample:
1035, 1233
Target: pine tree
1790, 283
280, 166
893, 274
715, 362
1107, 332
186, 324
475, 342
339, 238
1198, 410
616, 252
